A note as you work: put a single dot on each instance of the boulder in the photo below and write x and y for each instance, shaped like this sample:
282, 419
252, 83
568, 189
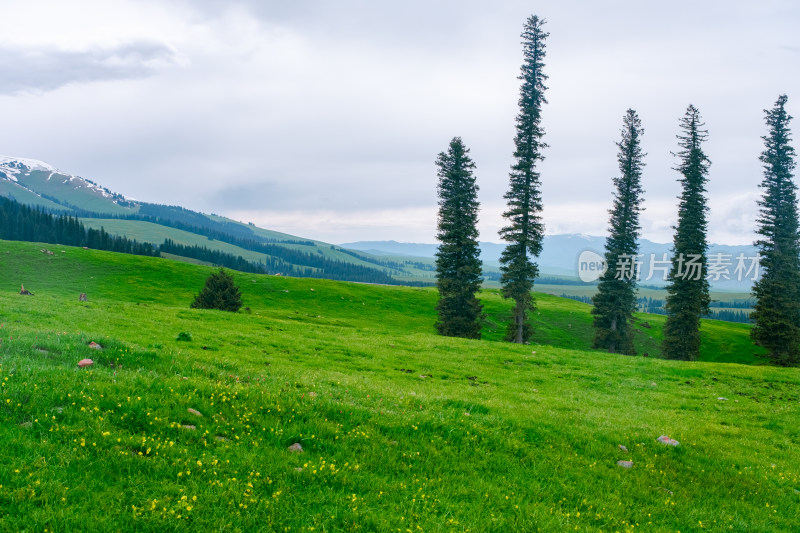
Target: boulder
669, 441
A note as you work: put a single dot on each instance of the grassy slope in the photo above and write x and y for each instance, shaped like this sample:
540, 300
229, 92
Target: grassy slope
155, 233
72, 192
23, 195
386, 449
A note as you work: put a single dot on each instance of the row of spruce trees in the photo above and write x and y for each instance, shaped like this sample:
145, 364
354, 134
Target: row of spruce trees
777, 293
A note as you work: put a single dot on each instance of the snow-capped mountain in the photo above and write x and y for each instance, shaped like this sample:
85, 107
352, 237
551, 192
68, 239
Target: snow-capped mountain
35, 182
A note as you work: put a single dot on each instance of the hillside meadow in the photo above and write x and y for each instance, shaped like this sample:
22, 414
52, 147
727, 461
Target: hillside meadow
402, 430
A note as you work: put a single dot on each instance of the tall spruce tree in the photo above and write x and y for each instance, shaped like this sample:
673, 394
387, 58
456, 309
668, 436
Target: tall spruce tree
525, 230
687, 291
458, 264
777, 293
615, 300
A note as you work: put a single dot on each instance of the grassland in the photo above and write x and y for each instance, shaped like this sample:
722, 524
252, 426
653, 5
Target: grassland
402, 430
153, 233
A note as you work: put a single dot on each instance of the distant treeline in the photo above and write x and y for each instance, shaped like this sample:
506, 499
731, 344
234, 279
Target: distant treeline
194, 222
301, 264
285, 259
733, 311
19, 222
544, 280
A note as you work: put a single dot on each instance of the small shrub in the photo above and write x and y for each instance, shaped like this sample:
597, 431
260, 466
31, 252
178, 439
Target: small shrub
220, 292
184, 337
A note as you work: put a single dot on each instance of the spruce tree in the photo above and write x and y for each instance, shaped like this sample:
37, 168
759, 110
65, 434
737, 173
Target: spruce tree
219, 292
525, 230
687, 291
615, 300
458, 264
777, 293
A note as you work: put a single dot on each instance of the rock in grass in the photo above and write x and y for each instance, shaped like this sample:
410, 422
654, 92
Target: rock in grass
722, 399
194, 412
189, 426
312, 394
669, 441
83, 363
94, 346
220, 438
625, 464
623, 448
296, 448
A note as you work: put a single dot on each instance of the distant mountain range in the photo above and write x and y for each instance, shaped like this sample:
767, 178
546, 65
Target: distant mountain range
560, 254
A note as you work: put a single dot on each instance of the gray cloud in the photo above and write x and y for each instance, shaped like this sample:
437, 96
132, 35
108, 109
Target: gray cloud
327, 116
48, 68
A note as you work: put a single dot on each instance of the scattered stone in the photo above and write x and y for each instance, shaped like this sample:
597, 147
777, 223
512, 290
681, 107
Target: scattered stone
83, 363
26, 425
296, 448
24, 291
220, 438
535, 390
623, 448
46, 252
533, 352
663, 439
189, 426
312, 290
665, 490
393, 443
625, 464
312, 394
83, 298
298, 469
58, 410
423, 376
654, 384
722, 399
194, 412
94, 346
467, 414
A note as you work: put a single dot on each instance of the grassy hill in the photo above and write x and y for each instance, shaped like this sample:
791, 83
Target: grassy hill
38, 184
401, 429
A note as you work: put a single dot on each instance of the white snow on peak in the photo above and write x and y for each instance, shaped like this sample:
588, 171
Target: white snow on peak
14, 165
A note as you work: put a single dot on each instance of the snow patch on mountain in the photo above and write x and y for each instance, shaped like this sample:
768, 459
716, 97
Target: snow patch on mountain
12, 167
15, 165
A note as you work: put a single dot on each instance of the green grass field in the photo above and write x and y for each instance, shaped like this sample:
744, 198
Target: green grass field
402, 430
153, 233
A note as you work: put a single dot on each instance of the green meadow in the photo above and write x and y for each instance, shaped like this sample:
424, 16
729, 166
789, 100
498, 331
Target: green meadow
401, 430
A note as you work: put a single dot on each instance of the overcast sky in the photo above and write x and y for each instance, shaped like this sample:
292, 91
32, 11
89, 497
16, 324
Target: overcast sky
323, 119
